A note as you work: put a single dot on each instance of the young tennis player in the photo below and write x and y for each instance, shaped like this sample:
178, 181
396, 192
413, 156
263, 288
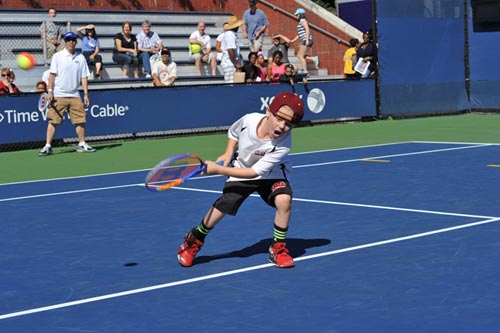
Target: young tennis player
257, 148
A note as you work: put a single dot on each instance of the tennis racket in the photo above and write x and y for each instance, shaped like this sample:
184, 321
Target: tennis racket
43, 102
174, 171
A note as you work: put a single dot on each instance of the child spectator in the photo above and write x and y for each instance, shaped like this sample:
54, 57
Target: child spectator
290, 77
251, 71
41, 87
262, 69
350, 59
306, 40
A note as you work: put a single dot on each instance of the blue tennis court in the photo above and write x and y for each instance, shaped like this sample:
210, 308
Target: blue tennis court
400, 237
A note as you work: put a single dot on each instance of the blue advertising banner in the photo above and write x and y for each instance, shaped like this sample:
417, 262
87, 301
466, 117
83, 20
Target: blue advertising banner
114, 112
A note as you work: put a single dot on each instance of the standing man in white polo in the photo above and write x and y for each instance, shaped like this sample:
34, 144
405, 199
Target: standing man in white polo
68, 69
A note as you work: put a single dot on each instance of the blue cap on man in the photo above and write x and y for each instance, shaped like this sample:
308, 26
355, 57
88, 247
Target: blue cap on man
70, 35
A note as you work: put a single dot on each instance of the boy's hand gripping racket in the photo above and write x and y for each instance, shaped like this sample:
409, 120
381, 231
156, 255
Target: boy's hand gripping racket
174, 171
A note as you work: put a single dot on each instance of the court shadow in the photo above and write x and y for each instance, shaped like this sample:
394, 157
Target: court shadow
108, 146
297, 247
97, 148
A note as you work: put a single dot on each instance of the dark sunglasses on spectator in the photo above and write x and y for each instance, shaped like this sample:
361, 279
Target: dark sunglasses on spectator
70, 40
6, 75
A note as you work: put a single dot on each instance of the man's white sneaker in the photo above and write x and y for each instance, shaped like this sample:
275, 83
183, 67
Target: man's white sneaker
85, 148
45, 151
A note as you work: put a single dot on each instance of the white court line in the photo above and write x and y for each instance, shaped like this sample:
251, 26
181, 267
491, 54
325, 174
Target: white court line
237, 271
73, 177
389, 156
294, 154
457, 143
295, 167
69, 192
421, 211
340, 203
144, 170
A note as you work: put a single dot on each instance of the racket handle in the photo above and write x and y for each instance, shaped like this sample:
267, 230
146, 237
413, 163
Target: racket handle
218, 163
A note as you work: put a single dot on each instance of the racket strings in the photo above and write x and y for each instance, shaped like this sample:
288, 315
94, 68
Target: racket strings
172, 171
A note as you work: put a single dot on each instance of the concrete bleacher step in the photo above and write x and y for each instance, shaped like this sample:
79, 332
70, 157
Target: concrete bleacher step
19, 31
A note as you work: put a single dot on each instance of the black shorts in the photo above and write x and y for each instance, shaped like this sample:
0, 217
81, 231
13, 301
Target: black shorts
235, 193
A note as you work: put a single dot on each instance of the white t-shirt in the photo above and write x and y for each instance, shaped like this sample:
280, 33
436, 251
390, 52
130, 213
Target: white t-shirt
205, 39
219, 39
45, 76
267, 157
230, 41
69, 70
165, 72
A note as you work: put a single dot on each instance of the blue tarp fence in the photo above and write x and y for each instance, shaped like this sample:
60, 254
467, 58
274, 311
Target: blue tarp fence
423, 57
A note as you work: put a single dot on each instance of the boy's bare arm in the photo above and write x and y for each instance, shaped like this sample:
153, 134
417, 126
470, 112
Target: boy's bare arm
228, 153
215, 169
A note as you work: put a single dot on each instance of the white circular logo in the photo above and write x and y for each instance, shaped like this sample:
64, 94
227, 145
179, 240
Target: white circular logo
316, 100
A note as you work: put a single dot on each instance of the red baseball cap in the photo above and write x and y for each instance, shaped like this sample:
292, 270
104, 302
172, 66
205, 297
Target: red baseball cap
291, 100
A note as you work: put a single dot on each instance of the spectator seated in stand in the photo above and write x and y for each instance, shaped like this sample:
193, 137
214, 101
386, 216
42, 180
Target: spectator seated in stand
41, 87
90, 48
164, 71
261, 68
125, 52
7, 85
203, 40
275, 68
148, 44
291, 77
250, 70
